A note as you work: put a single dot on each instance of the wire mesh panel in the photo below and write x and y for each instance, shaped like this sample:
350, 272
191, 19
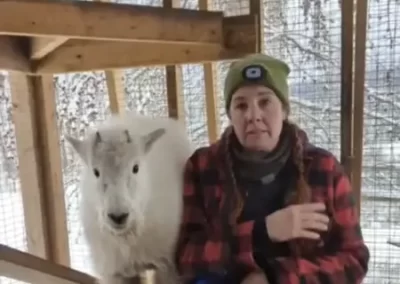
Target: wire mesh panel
193, 87
381, 163
81, 100
145, 89
12, 223
306, 35
195, 104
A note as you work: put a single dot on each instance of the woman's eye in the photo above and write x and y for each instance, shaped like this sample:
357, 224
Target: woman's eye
264, 102
241, 106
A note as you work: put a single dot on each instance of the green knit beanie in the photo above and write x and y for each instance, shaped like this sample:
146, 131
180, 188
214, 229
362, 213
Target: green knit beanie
259, 69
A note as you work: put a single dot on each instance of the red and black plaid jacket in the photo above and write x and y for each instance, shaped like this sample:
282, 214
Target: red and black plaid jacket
342, 260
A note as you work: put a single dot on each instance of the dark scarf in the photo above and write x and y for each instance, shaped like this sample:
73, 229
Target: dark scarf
261, 166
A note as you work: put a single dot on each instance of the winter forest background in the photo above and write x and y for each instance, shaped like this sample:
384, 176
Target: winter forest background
305, 33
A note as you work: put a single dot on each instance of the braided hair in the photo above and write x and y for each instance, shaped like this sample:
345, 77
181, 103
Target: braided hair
302, 193
237, 201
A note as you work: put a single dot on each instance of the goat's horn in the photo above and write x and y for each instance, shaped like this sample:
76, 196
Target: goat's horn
128, 136
98, 137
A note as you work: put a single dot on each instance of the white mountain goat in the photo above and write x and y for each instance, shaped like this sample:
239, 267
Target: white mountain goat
131, 195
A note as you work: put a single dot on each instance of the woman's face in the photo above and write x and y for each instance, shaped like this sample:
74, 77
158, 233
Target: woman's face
257, 116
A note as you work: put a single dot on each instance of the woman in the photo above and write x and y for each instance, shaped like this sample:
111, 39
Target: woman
262, 204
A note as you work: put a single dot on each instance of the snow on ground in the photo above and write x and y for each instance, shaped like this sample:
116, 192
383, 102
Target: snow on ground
388, 272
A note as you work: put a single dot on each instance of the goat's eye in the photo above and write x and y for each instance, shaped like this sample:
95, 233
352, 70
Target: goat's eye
135, 169
96, 173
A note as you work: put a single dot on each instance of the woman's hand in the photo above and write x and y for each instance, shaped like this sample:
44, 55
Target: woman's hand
255, 278
297, 221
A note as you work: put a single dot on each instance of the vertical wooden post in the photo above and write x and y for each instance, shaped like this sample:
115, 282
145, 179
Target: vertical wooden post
256, 8
210, 93
35, 119
359, 95
116, 92
174, 80
347, 101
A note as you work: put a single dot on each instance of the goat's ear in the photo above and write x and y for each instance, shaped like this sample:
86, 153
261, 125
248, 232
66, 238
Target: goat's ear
77, 145
151, 138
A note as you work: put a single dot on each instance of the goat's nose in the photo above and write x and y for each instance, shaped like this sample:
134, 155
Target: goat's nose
118, 218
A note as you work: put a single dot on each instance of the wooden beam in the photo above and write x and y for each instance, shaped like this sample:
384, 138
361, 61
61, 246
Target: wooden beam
78, 55
241, 33
174, 92
116, 92
359, 96
89, 56
210, 92
41, 46
28, 268
174, 78
109, 21
347, 100
34, 116
12, 56
256, 8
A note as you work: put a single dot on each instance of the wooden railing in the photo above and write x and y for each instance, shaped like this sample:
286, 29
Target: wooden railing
28, 268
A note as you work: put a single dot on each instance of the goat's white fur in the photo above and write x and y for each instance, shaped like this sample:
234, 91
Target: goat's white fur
152, 197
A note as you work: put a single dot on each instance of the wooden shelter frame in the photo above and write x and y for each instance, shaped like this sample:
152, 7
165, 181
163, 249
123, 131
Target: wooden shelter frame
40, 38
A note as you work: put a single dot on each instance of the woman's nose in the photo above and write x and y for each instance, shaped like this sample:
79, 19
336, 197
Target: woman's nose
254, 114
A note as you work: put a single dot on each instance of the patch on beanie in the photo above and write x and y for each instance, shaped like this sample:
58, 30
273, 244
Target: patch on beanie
253, 72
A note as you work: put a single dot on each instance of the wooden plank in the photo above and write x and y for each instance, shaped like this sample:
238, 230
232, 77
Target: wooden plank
174, 80
12, 56
51, 167
347, 100
34, 116
41, 46
29, 169
28, 268
241, 33
210, 92
109, 21
89, 56
78, 55
116, 92
256, 8
359, 96
174, 92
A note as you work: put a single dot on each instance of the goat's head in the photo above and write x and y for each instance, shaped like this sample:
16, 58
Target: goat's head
118, 174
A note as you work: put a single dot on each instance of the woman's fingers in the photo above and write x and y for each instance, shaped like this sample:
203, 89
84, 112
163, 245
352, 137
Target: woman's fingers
312, 207
311, 221
309, 235
314, 225
317, 217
